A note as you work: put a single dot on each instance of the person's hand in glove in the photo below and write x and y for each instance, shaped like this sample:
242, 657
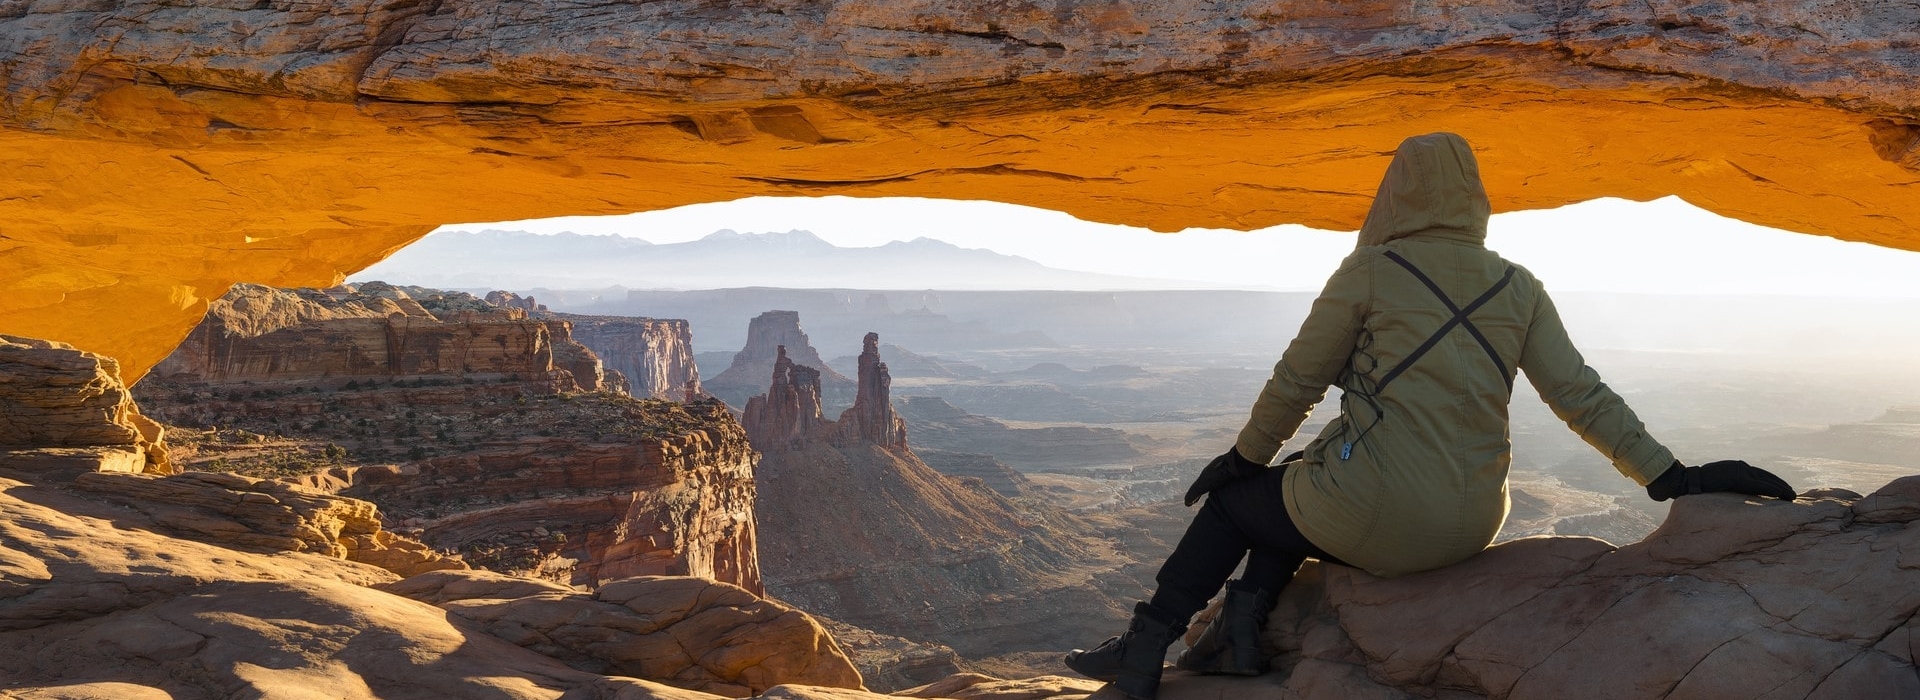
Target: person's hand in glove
1726, 475
1226, 469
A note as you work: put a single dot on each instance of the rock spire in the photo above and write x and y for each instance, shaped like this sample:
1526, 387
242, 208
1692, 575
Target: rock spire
788, 415
872, 420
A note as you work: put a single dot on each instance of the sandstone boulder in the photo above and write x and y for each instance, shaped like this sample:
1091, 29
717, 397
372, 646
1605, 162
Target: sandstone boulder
964, 686
1730, 597
687, 632
974, 686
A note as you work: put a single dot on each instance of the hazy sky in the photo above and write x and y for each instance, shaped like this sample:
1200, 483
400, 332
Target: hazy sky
1608, 245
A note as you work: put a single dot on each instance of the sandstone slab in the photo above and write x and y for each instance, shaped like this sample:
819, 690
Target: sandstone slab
95, 604
265, 515
687, 632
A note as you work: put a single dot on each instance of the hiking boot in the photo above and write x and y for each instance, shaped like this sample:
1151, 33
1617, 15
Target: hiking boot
1231, 643
1131, 661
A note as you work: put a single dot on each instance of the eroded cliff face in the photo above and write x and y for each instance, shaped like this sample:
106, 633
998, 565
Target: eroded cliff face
470, 433
67, 421
159, 152
655, 355
583, 510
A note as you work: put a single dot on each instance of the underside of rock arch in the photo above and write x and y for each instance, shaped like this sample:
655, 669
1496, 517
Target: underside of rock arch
151, 153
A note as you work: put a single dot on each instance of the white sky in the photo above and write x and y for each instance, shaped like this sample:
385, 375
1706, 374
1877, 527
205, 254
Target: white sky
1606, 245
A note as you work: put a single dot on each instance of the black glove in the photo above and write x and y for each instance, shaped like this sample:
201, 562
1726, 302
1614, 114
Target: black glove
1726, 475
1224, 469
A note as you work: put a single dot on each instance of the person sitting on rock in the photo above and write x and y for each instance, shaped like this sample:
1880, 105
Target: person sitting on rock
1423, 329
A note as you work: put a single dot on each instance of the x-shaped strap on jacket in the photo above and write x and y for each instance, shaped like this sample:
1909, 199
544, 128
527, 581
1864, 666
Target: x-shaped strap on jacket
1459, 319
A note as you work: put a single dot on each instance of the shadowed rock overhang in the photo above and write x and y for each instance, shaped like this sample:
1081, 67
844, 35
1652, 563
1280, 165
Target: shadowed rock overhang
155, 153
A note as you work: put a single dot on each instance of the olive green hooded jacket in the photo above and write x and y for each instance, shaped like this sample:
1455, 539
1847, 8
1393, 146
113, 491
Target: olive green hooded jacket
1413, 473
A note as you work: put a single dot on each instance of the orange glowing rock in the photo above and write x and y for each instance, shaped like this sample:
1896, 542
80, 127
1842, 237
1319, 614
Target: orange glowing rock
155, 154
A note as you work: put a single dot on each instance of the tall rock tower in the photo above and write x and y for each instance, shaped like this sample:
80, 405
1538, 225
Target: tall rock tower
872, 420
788, 415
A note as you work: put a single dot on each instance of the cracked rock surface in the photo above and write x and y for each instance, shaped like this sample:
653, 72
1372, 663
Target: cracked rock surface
94, 604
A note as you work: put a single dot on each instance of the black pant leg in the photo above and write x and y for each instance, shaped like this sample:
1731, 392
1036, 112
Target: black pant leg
1200, 564
1269, 570
1257, 508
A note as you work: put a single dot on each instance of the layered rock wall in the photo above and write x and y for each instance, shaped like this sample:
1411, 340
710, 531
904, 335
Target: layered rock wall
654, 355
515, 468
586, 511
63, 408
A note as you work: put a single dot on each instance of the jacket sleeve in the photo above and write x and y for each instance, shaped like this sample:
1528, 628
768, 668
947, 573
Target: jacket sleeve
1575, 393
1312, 362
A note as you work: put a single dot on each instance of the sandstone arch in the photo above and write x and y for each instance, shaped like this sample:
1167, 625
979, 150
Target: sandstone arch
153, 154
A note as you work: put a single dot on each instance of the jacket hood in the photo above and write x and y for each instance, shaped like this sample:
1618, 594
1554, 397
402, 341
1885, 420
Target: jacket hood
1432, 185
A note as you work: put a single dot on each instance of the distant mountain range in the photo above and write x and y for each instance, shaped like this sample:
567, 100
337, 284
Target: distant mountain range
519, 260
